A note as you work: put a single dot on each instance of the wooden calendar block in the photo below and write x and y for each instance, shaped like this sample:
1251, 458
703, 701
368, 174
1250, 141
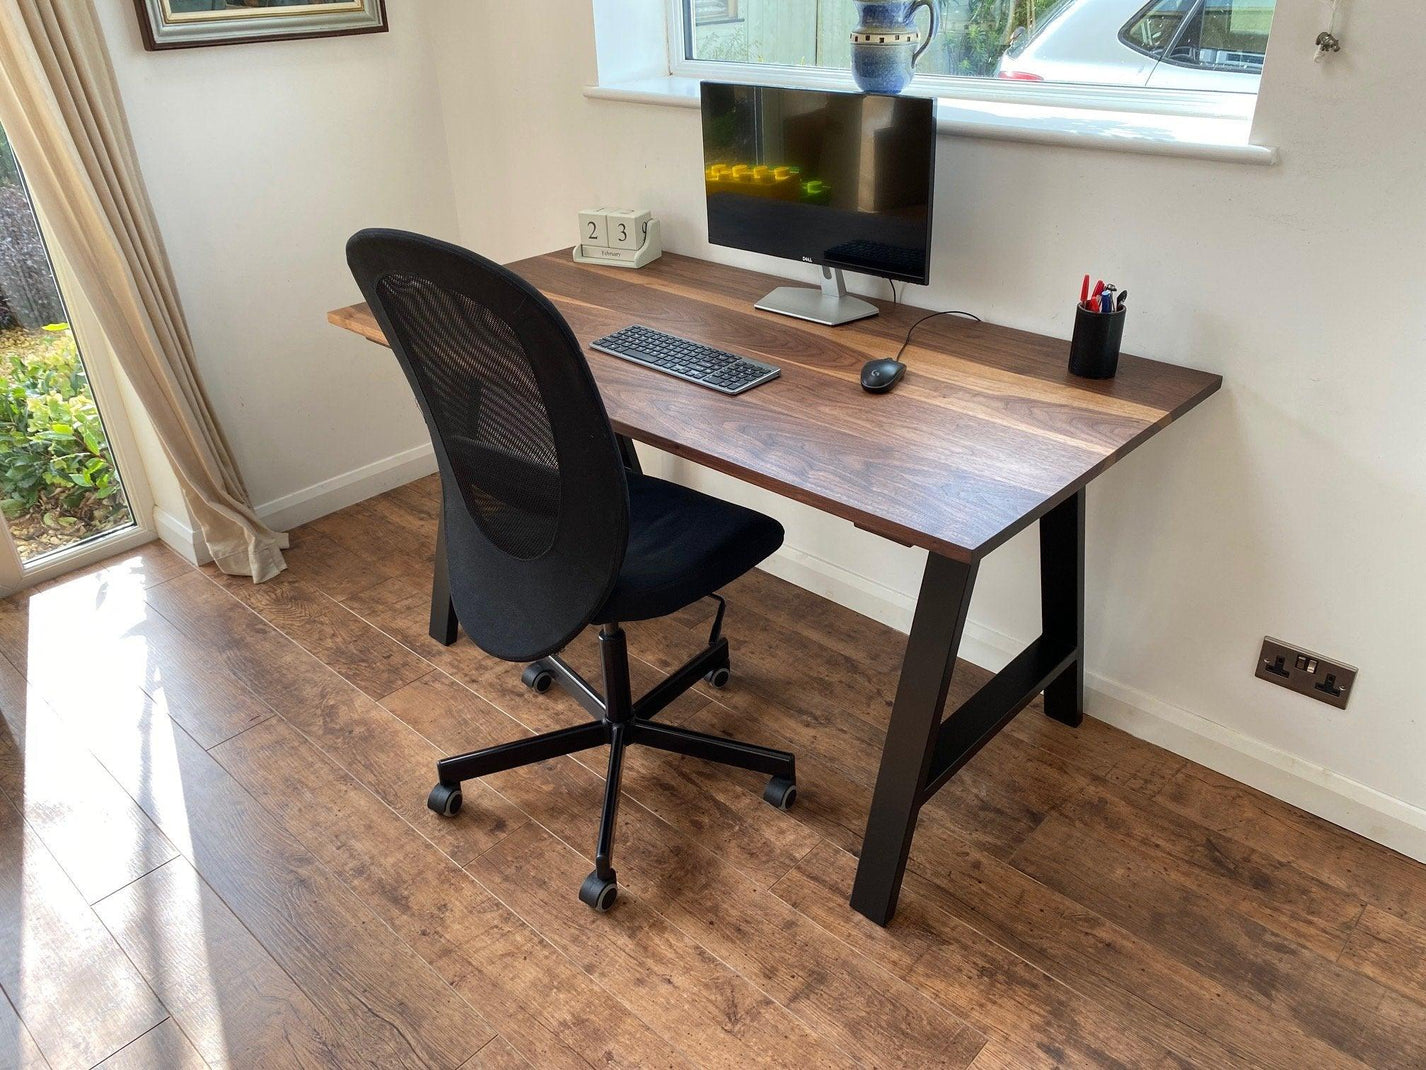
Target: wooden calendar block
647, 251
628, 227
594, 226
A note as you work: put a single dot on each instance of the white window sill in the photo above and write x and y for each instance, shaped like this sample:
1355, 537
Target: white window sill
1200, 137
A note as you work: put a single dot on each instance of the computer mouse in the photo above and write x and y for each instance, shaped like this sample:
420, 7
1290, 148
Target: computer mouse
879, 376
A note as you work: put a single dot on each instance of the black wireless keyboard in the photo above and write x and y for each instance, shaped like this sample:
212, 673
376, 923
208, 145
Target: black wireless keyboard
727, 373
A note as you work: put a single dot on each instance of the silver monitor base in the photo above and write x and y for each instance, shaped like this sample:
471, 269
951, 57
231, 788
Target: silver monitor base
831, 304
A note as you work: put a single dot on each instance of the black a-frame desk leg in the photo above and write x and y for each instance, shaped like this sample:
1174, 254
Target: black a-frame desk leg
1062, 602
923, 751
911, 737
444, 623
628, 454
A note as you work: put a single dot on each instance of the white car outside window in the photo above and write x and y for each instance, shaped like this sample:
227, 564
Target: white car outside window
1212, 45
1220, 48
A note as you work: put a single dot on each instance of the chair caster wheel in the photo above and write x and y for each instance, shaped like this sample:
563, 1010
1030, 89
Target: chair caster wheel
780, 792
598, 893
717, 677
537, 678
445, 799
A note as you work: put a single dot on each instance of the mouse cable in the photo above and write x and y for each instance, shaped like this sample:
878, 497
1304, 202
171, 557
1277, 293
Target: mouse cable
931, 316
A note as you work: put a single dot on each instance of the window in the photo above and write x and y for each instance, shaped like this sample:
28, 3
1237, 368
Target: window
714, 11
1210, 46
1155, 28
1225, 35
60, 488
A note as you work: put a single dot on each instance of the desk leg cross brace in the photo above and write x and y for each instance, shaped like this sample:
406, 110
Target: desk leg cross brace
922, 750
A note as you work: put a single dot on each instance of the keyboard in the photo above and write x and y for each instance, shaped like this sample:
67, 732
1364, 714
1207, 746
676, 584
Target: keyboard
727, 373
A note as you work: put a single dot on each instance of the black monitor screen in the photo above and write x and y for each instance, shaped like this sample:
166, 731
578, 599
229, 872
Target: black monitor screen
839, 179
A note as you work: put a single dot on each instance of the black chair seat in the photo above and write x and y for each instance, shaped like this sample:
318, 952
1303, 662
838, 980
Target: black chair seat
683, 546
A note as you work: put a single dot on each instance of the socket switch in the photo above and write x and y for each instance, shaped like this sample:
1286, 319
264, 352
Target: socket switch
1313, 675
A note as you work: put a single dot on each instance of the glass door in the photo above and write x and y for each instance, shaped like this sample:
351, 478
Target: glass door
62, 495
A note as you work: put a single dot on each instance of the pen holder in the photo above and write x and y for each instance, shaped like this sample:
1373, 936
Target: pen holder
1094, 349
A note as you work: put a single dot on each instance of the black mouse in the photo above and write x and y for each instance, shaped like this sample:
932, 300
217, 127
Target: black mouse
879, 376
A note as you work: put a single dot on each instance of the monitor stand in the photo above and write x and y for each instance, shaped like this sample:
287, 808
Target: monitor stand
830, 305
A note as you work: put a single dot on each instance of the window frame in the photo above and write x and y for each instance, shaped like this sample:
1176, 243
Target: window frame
102, 374
1174, 102
101, 371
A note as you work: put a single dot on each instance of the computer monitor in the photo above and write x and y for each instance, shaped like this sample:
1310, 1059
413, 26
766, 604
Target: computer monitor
842, 180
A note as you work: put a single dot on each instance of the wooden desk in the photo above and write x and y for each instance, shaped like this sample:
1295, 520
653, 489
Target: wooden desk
986, 433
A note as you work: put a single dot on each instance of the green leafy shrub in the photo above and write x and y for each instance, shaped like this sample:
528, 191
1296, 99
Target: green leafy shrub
54, 458
988, 25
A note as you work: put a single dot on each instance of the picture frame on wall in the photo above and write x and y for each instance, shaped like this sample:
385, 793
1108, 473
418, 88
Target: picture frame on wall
191, 23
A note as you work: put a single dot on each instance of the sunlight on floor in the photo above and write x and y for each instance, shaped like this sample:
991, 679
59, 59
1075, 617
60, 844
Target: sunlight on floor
88, 651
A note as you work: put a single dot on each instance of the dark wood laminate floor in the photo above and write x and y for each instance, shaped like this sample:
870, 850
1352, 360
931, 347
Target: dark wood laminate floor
214, 850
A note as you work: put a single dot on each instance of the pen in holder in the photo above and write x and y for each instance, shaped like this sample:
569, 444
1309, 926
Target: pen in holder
1094, 349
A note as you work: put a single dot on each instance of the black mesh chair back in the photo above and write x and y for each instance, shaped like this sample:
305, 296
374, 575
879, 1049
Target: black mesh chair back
536, 506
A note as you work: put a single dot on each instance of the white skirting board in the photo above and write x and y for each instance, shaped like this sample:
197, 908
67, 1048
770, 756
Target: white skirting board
309, 503
301, 506
181, 537
1331, 796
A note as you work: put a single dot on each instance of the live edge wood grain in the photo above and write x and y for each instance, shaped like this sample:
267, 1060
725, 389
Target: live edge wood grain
987, 431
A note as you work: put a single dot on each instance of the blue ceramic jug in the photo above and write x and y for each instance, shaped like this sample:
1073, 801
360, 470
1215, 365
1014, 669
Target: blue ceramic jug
886, 44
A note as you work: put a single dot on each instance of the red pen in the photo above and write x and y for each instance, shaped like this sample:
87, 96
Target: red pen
1084, 292
1094, 296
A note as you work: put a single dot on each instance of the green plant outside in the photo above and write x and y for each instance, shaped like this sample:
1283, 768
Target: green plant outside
55, 462
987, 34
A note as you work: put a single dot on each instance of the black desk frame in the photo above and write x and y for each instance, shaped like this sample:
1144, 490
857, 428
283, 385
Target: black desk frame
923, 749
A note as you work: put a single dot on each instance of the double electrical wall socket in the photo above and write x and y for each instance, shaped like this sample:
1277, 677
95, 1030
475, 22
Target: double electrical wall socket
1301, 670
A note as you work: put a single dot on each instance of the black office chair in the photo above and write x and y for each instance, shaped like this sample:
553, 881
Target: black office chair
545, 530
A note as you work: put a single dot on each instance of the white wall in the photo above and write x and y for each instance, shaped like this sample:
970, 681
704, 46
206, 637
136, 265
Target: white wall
262, 159
1293, 503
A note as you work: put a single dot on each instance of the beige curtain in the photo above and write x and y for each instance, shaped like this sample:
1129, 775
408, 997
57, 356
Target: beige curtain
59, 103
